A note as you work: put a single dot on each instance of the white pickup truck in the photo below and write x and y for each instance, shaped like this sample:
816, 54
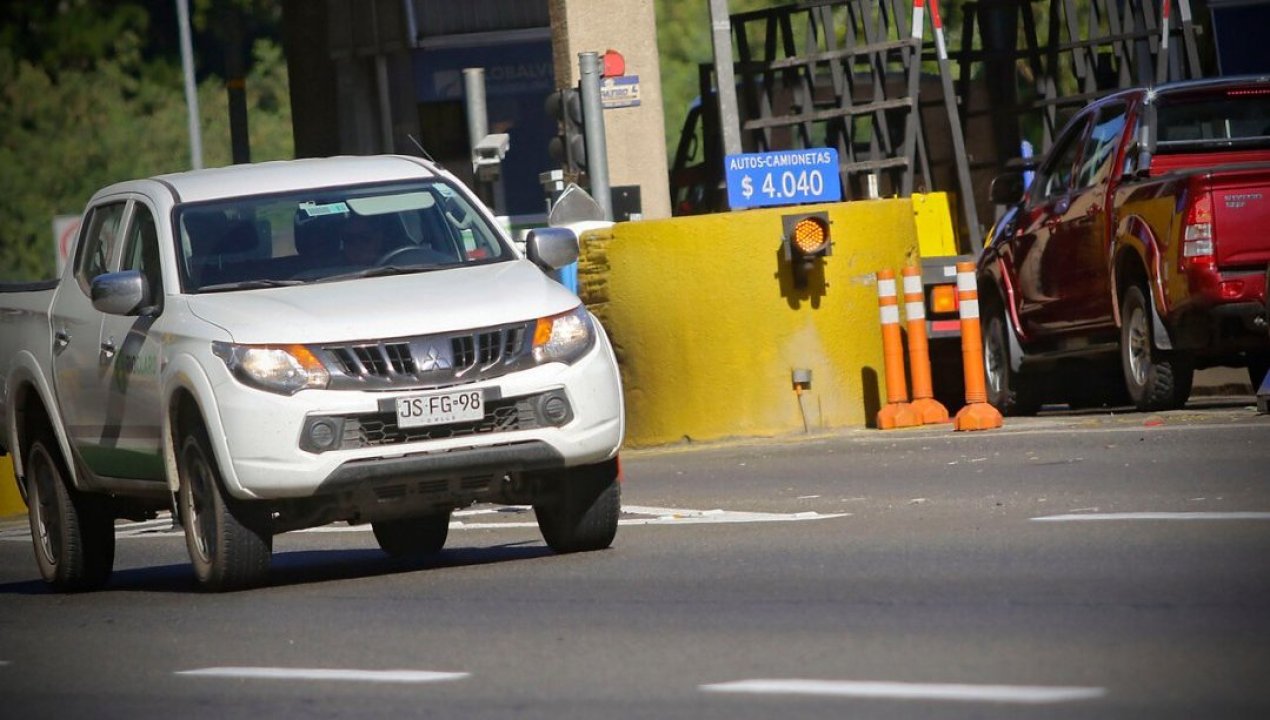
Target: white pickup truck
270, 347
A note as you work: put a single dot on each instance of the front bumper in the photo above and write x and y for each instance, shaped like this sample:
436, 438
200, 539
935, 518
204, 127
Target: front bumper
269, 457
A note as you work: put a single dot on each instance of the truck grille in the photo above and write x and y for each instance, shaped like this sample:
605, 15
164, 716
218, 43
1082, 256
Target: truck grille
427, 360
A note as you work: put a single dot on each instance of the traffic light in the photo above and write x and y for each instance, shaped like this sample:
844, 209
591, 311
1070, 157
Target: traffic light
805, 239
568, 147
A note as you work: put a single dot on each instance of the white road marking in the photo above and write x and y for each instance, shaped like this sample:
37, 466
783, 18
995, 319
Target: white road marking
375, 676
659, 516
1081, 517
162, 526
1024, 694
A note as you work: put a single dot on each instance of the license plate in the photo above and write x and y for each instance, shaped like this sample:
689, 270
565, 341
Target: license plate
440, 408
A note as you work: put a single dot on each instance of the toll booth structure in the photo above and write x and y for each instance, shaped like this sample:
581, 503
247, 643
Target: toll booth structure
386, 76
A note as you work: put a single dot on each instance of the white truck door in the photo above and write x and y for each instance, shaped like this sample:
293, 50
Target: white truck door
78, 371
130, 440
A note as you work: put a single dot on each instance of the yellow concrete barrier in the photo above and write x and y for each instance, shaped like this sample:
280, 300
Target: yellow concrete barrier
708, 323
10, 500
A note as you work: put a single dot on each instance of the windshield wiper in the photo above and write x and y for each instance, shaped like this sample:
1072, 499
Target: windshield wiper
250, 285
381, 271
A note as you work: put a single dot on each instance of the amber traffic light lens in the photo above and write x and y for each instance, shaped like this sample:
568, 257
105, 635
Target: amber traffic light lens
810, 236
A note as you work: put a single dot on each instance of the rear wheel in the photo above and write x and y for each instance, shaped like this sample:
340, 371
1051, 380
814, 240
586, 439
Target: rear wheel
413, 538
1155, 379
583, 515
73, 532
230, 541
1010, 392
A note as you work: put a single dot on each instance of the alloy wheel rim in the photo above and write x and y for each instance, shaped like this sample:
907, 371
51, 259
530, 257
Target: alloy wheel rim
1139, 346
46, 519
196, 503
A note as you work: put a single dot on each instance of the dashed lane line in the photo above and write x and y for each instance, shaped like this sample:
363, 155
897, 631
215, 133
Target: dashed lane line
1017, 694
1084, 517
326, 674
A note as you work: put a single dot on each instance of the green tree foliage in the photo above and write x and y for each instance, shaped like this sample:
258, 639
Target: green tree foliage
81, 107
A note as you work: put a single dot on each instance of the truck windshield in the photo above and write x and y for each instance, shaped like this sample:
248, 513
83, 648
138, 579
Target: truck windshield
1231, 118
331, 234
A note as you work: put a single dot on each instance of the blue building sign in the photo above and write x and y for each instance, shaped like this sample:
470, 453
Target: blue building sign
785, 177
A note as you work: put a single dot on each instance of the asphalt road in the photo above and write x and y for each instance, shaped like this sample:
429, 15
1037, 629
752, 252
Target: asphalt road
910, 574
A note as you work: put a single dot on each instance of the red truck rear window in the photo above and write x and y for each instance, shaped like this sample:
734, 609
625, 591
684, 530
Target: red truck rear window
1233, 117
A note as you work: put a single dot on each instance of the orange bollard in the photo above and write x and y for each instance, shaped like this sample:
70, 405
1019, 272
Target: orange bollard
897, 413
977, 414
928, 409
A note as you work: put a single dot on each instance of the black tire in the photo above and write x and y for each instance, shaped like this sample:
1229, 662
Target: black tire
1155, 379
73, 532
230, 541
582, 516
413, 538
1010, 392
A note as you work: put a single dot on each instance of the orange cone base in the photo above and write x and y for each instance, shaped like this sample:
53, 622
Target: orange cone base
897, 415
929, 411
978, 416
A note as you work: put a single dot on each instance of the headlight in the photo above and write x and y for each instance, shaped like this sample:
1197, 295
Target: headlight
564, 337
285, 369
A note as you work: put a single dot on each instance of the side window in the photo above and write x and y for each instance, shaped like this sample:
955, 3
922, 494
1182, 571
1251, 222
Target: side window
1056, 176
98, 243
142, 251
1101, 147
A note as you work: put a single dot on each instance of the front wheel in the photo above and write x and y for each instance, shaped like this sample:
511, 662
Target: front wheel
583, 514
230, 541
413, 538
1155, 379
73, 532
1010, 392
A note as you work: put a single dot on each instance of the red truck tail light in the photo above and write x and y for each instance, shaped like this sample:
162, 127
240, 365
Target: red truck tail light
1197, 234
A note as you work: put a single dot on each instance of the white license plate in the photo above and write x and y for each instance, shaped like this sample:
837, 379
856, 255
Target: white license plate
440, 408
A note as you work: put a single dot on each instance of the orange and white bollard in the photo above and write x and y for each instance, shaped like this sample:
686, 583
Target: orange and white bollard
928, 409
897, 413
977, 414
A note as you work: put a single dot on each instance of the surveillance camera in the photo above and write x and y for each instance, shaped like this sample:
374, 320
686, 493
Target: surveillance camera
492, 147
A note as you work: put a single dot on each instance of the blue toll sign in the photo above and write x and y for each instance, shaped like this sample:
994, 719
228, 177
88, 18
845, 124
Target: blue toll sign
785, 177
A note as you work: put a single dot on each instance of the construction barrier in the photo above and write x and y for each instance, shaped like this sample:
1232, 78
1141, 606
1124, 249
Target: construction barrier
977, 414
716, 337
897, 413
11, 504
927, 409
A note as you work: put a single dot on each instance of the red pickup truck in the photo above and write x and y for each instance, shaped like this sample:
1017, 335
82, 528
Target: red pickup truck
1137, 254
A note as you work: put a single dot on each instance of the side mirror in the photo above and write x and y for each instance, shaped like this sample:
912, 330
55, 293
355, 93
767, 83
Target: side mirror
552, 248
121, 293
1007, 189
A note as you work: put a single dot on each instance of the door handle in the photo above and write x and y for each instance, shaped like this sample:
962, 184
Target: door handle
108, 349
61, 339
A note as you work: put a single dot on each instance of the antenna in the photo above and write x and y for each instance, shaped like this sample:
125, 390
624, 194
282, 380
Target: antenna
422, 152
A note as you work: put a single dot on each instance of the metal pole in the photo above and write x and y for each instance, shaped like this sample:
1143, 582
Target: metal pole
477, 117
597, 152
721, 34
385, 102
191, 90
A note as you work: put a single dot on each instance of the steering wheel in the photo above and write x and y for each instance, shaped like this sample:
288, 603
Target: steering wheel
426, 255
